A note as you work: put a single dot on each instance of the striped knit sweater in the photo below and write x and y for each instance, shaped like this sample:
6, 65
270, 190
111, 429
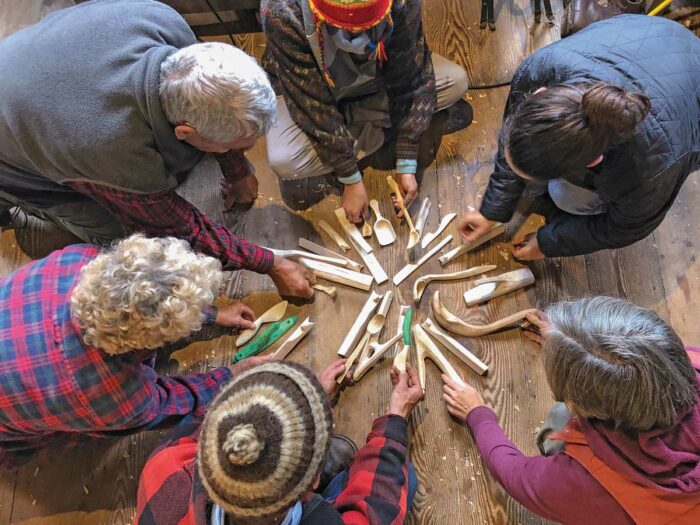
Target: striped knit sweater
407, 75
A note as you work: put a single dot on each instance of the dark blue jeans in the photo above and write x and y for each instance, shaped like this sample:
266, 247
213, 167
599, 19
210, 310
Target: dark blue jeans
337, 484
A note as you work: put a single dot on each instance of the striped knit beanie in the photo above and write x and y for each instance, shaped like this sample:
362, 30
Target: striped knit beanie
264, 440
353, 15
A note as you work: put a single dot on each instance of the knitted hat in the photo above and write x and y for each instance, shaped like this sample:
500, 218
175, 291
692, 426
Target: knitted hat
264, 440
353, 15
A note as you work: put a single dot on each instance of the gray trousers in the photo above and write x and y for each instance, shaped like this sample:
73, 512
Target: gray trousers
557, 418
569, 197
292, 155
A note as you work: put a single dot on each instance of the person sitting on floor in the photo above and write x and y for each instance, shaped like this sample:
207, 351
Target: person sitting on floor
100, 122
257, 458
623, 442
351, 77
80, 329
603, 127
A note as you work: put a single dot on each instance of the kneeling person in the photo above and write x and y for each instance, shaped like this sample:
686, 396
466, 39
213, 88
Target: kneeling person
259, 454
79, 332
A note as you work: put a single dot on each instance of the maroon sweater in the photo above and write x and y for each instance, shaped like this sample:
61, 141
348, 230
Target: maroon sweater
545, 485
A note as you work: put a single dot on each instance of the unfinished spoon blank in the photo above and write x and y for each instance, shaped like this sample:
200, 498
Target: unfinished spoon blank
358, 326
454, 324
336, 274
456, 348
293, 340
412, 267
383, 229
487, 288
377, 352
423, 213
413, 236
330, 290
430, 237
494, 232
334, 235
270, 316
421, 283
351, 230
295, 254
426, 349
322, 250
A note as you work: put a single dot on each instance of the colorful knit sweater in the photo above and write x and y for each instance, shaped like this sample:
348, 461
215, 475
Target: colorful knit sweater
407, 75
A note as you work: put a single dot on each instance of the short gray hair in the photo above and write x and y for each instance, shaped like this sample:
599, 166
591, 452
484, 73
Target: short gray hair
614, 361
219, 90
143, 293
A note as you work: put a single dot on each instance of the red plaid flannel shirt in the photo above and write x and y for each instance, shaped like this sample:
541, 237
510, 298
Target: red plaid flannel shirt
376, 492
168, 214
53, 388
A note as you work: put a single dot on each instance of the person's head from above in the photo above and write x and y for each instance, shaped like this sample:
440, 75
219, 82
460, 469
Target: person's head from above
143, 293
354, 16
217, 97
563, 129
610, 360
263, 442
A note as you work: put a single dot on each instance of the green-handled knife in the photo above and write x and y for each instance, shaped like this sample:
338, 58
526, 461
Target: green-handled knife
271, 334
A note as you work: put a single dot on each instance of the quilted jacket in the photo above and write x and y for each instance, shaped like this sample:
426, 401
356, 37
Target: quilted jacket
640, 178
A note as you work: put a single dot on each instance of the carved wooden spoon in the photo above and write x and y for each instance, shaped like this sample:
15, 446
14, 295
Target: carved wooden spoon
270, 316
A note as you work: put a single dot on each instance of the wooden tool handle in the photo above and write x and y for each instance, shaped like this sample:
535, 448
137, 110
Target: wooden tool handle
375, 208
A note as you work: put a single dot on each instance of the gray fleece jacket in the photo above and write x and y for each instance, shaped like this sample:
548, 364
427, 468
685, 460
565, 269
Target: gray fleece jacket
79, 102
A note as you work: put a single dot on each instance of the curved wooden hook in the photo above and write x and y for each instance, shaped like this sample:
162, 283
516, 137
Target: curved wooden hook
454, 324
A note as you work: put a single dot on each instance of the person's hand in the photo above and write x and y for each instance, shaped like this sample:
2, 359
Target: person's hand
407, 391
243, 191
535, 327
236, 315
249, 363
460, 399
472, 226
292, 279
329, 377
356, 202
409, 190
527, 249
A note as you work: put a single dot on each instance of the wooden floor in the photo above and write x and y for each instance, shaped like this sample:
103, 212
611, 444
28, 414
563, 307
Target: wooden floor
97, 484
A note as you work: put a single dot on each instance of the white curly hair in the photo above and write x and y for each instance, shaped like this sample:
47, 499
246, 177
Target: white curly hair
143, 293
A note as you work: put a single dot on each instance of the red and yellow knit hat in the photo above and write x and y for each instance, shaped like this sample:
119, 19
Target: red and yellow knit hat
353, 15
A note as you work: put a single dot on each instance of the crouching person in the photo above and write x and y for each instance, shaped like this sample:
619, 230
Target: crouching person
79, 329
622, 446
259, 456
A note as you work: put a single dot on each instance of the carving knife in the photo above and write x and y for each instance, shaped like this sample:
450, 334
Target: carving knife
271, 334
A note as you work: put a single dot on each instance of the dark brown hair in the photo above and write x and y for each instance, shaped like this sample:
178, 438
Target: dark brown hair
561, 130
611, 360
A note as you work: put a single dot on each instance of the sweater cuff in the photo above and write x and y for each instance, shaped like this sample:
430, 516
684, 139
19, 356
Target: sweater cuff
406, 148
391, 427
352, 179
480, 415
210, 313
406, 166
345, 167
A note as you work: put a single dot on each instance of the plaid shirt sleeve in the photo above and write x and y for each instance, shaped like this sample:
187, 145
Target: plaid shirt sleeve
169, 214
150, 399
234, 164
377, 488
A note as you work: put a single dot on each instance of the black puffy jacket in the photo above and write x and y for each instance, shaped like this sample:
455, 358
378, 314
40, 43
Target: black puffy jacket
640, 178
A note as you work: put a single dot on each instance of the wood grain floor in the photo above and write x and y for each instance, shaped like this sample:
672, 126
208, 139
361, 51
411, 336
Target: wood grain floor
96, 484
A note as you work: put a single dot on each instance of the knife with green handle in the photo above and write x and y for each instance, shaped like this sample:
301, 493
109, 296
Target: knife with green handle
271, 334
